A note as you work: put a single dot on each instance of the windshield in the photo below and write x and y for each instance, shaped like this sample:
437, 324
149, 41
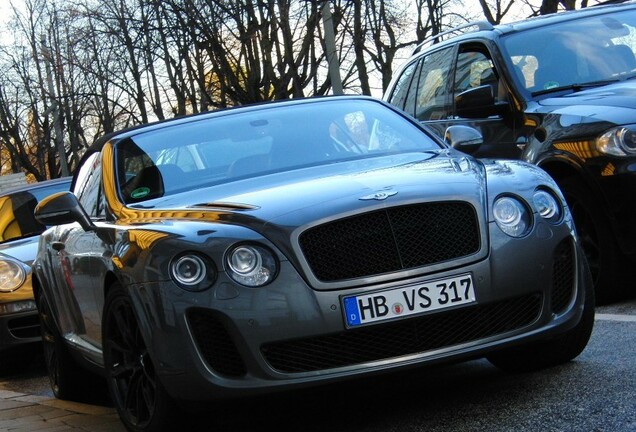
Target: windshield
575, 53
242, 144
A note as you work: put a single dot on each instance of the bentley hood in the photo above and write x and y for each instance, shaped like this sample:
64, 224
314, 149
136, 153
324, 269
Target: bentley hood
296, 197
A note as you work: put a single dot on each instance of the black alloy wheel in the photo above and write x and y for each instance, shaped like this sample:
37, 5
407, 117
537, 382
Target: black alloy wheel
141, 401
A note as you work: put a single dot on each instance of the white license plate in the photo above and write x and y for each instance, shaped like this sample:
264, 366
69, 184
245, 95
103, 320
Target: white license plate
411, 300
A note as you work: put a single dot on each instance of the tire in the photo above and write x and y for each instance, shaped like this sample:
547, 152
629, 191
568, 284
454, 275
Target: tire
141, 401
68, 380
596, 238
554, 351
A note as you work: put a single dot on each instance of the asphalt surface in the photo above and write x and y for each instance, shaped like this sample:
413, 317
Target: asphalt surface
596, 392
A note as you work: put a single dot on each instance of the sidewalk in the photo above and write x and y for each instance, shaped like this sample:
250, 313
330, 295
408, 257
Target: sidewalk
20, 412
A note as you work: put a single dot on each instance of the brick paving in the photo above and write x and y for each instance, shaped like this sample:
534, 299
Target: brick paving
20, 412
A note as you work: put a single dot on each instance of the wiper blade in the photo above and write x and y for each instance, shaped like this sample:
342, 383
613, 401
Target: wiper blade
575, 87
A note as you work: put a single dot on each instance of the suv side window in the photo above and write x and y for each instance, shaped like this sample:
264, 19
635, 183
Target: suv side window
431, 97
403, 93
475, 69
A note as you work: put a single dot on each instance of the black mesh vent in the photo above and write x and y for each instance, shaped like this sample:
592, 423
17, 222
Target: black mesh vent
399, 338
215, 343
24, 327
391, 239
562, 276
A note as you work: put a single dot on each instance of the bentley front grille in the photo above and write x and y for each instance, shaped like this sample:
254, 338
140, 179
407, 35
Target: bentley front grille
390, 240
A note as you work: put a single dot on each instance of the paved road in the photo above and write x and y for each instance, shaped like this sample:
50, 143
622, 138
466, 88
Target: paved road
597, 392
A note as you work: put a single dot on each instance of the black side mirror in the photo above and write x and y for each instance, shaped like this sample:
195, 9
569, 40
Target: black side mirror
478, 102
62, 208
463, 138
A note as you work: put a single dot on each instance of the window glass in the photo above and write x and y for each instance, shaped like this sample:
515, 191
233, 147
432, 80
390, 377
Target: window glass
88, 186
476, 69
16, 211
432, 86
240, 144
401, 90
585, 50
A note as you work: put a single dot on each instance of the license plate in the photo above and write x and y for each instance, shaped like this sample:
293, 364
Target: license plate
411, 300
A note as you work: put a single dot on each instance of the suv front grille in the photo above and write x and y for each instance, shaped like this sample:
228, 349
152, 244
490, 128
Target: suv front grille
391, 239
405, 337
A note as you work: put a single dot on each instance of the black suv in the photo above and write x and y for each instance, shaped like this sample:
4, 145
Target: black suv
557, 91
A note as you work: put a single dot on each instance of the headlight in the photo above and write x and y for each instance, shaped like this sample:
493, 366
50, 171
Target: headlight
511, 216
251, 265
547, 206
12, 275
619, 141
192, 272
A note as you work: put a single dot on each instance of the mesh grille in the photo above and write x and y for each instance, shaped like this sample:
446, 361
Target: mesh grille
415, 335
24, 327
562, 276
391, 239
215, 343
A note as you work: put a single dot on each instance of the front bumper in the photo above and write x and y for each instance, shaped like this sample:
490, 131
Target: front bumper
235, 341
18, 328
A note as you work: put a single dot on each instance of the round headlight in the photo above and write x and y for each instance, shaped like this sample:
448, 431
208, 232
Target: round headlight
251, 265
12, 275
192, 272
547, 206
511, 216
619, 141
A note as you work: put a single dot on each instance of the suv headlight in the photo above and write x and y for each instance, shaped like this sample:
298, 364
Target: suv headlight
618, 141
12, 274
512, 216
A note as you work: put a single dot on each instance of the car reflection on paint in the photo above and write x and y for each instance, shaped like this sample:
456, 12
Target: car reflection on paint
295, 243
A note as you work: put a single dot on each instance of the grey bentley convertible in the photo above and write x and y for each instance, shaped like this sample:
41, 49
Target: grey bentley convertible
295, 243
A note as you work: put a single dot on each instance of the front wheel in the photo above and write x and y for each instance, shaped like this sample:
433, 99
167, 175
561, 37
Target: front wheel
597, 241
555, 351
140, 399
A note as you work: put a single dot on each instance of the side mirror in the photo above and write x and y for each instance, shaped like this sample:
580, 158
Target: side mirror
463, 138
62, 208
478, 102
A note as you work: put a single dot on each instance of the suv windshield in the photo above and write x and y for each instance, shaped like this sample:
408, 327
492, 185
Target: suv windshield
574, 54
